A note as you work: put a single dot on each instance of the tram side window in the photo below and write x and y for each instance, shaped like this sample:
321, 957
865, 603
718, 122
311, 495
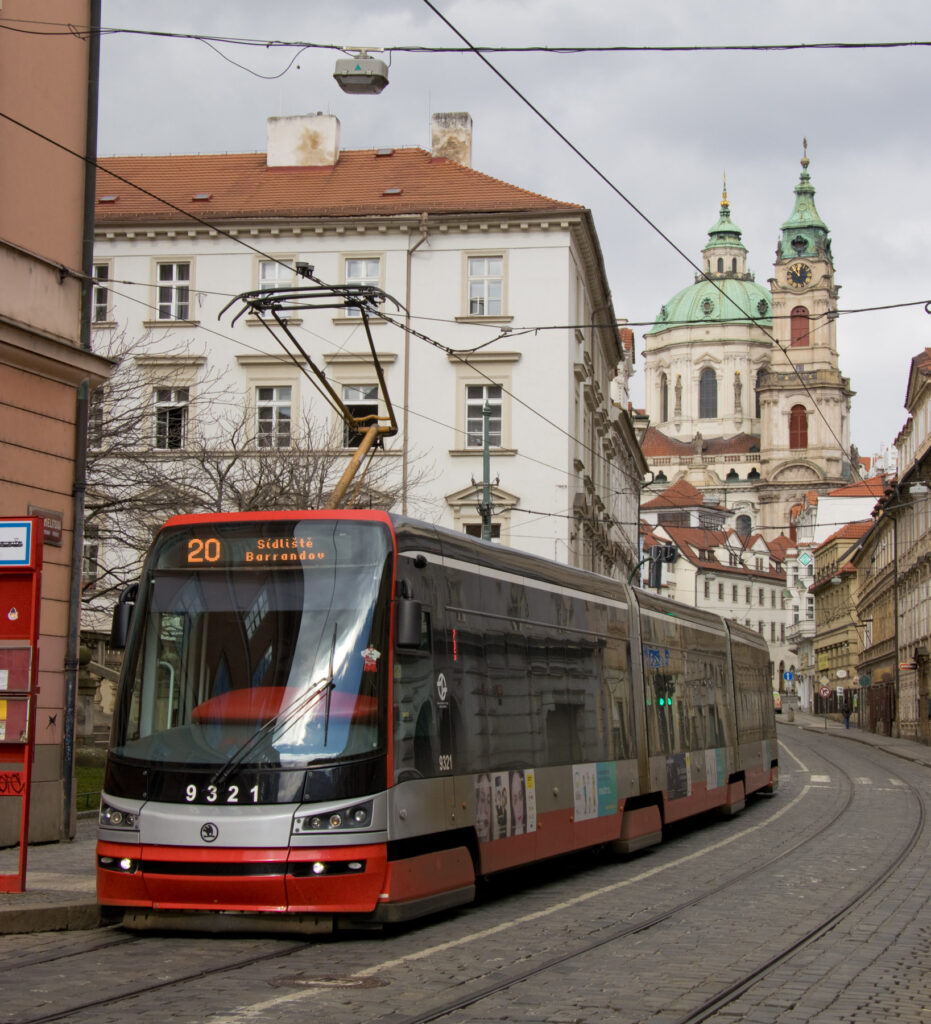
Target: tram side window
667, 700
563, 739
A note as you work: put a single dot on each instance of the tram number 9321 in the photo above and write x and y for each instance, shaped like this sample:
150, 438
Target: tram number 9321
212, 795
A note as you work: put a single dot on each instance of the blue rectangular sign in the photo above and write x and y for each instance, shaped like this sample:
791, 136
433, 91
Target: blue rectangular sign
15, 542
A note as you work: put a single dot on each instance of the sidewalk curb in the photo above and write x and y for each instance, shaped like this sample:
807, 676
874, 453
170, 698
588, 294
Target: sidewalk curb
70, 917
856, 736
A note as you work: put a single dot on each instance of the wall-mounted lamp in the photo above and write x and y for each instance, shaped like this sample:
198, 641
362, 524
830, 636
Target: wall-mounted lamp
361, 73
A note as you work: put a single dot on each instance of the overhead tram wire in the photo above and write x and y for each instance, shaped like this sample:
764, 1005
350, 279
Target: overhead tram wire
288, 358
635, 209
561, 515
516, 332
436, 422
239, 241
68, 28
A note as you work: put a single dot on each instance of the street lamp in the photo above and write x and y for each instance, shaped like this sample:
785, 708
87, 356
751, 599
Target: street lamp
361, 73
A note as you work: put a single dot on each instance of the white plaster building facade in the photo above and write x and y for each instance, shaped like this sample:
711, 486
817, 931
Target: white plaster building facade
474, 262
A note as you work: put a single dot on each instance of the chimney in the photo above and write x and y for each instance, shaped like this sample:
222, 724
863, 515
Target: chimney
451, 137
307, 140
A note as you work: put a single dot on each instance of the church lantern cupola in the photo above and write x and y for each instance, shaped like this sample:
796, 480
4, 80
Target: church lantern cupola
724, 255
805, 234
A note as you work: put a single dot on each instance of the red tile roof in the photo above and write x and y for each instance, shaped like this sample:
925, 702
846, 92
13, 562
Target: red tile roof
692, 541
681, 494
240, 185
922, 362
778, 546
872, 488
852, 531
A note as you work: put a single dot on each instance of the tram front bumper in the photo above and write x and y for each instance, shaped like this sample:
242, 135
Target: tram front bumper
307, 880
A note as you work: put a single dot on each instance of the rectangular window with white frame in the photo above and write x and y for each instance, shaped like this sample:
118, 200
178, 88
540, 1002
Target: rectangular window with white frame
476, 397
171, 417
475, 530
174, 291
273, 416
277, 273
362, 401
364, 271
101, 312
485, 285
90, 566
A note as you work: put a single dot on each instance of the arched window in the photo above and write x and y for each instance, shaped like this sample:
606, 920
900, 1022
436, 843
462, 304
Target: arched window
720, 265
743, 526
798, 427
734, 264
707, 395
798, 327
664, 397
759, 381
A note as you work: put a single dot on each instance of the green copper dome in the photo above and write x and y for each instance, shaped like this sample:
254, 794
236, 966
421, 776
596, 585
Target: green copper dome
743, 301
804, 233
726, 292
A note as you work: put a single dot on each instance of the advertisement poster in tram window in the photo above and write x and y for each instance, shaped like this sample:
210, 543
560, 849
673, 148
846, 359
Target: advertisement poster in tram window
678, 776
715, 768
505, 804
607, 788
501, 820
594, 790
584, 791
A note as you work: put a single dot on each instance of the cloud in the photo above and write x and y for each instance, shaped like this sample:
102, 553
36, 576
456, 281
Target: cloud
662, 127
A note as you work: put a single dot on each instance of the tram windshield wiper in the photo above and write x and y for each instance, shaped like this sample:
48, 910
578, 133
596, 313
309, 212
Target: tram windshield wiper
284, 718
329, 687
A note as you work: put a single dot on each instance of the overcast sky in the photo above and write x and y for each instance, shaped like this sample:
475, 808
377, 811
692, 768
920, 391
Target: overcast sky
663, 127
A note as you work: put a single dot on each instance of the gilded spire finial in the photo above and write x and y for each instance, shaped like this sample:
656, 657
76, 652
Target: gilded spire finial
724, 191
805, 160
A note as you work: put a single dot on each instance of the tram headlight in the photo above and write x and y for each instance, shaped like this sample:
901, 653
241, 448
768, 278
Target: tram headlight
113, 817
351, 817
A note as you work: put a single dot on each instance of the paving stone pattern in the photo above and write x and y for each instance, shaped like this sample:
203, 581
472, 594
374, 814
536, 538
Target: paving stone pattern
873, 966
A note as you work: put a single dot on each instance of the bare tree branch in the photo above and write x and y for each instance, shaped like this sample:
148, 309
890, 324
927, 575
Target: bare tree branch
203, 455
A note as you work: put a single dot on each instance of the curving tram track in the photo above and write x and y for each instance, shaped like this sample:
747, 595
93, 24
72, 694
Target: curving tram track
710, 867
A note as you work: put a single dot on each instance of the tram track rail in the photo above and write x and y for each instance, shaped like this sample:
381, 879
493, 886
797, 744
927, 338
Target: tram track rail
735, 990
530, 970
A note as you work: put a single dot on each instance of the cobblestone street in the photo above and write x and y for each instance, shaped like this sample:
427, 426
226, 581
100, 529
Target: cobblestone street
785, 913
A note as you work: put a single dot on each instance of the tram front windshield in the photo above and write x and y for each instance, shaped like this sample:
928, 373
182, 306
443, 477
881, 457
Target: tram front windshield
261, 643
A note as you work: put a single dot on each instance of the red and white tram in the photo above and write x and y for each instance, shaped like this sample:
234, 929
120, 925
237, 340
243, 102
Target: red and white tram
348, 717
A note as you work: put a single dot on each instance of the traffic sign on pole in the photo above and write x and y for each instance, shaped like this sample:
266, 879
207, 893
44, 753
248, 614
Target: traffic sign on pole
825, 691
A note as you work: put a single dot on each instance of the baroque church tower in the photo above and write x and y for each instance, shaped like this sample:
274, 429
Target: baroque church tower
804, 398
743, 391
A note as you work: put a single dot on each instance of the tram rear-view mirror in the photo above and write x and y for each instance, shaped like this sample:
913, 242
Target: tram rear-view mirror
122, 614
407, 623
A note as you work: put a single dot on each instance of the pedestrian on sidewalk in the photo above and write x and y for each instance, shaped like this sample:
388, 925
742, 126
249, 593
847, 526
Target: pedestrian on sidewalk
846, 717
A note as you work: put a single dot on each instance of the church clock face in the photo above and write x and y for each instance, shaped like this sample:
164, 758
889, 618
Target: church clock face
799, 275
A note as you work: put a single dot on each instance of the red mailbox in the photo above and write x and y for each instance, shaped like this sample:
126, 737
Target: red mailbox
20, 591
